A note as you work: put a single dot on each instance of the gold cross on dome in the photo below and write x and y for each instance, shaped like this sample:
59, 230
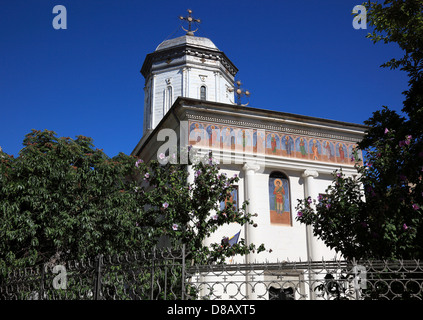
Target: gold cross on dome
239, 92
190, 20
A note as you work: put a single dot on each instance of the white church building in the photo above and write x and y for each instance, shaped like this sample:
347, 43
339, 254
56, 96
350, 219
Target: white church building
280, 157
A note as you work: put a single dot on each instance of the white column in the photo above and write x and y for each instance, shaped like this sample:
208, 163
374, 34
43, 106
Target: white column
183, 83
153, 102
216, 86
310, 191
187, 83
249, 195
251, 235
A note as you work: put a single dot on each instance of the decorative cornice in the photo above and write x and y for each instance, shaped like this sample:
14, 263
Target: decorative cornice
268, 127
175, 52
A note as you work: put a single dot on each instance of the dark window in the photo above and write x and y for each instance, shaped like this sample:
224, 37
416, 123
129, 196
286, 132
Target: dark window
281, 294
203, 93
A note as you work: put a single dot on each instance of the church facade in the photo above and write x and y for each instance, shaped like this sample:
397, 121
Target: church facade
279, 157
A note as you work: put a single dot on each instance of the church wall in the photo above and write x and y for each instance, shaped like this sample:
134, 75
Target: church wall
198, 78
185, 81
287, 242
162, 81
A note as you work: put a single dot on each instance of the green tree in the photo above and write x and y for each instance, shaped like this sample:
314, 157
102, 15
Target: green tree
63, 199
378, 214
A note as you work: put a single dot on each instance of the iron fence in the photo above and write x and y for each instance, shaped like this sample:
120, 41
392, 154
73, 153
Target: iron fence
167, 274
317, 280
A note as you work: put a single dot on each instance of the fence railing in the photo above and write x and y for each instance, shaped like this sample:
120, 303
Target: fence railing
165, 274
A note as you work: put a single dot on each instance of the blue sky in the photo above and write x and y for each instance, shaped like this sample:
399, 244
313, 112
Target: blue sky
301, 57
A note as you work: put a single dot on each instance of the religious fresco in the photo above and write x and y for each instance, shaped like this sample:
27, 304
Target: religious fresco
270, 143
232, 198
279, 202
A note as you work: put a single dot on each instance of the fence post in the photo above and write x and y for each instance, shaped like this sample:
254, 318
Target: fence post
183, 272
42, 282
152, 272
97, 282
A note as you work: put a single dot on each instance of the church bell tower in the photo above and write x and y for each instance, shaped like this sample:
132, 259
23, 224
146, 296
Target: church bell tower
187, 66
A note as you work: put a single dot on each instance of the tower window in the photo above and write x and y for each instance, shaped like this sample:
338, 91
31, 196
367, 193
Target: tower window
203, 93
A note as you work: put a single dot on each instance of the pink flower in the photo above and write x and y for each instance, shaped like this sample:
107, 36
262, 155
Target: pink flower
415, 206
175, 227
165, 205
146, 176
404, 226
386, 130
299, 214
138, 162
162, 156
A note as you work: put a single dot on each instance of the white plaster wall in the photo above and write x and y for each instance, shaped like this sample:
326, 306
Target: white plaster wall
186, 82
160, 85
286, 242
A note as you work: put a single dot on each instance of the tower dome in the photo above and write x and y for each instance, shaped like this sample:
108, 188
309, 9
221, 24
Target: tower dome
186, 66
199, 42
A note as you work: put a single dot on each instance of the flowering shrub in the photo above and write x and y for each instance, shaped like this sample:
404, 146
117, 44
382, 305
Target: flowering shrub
378, 214
64, 198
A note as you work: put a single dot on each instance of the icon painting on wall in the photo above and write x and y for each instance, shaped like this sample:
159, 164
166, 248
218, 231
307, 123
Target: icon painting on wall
231, 198
279, 202
231, 138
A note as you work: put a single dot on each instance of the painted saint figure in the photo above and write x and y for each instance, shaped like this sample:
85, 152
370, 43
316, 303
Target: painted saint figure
273, 143
302, 148
279, 193
231, 198
315, 150
341, 153
279, 202
288, 145
328, 149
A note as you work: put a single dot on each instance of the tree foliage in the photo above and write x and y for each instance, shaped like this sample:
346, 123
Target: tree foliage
378, 213
62, 199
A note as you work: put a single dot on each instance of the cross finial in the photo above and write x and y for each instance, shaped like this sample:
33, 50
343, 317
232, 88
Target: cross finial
239, 92
190, 20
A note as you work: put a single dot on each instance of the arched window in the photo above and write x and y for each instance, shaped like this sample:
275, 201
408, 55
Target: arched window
203, 93
279, 198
